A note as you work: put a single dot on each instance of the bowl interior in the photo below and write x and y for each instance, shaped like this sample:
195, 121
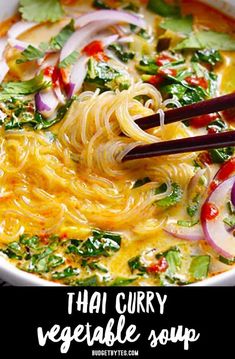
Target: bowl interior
9, 272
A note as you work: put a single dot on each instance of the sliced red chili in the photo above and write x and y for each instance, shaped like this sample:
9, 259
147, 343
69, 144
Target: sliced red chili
209, 211
226, 170
197, 81
163, 60
204, 120
205, 158
168, 72
93, 48
159, 267
156, 79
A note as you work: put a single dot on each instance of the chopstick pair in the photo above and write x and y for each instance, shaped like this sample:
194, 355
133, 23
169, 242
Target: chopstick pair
190, 144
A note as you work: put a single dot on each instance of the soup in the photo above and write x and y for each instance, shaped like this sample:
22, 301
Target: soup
75, 77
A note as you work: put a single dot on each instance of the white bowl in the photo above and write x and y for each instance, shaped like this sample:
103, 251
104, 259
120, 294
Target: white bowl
15, 276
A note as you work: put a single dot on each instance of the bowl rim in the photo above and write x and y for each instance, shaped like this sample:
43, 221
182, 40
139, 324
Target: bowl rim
10, 271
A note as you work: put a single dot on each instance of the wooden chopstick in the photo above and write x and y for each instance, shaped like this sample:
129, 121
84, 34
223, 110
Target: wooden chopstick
189, 144
197, 109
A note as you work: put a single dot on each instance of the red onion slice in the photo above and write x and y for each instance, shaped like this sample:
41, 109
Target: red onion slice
233, 194
17, 44
59, 95
107, 40
214, 230
19, 28
78, 75
46, 102
115, 15
193, 234
82, 37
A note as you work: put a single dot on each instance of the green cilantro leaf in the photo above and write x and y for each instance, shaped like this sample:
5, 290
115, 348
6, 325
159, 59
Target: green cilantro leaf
120, 281
208, 56
140, 182
160, 7
41, 10
221, 155
57, 42
208, 39
24, 87
182, 25
69, 60
199, 267
31, 53
172, 199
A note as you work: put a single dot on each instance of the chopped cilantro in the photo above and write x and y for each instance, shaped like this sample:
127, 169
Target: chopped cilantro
120, 52
182, 25
141, 182
23, 87
31, 53
160, 7
208, 56
69, 60
41, 10
172, 199
120, 281
221, 155
58, 41
199, 267
230, 221
208, 40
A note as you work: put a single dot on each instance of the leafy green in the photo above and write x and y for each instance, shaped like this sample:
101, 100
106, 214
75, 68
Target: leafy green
106, 77
161, 189
227, 261
14, 251
147, 65
218, 124
230, 207
120, 281
120, 52
173, 257
94, 266
60, 39
29, 241
132, 7
41, 10
144, 34
99, 244
136, 265
178, 87
187, 223
160, 7
230, 221
23, 87
22, 113
199, 267
172, 199
31, 53
69, 60
182, 25
100, 4
141, 182
208, 56
208, 40
87, 282
193, 206
67, 272
221, 155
